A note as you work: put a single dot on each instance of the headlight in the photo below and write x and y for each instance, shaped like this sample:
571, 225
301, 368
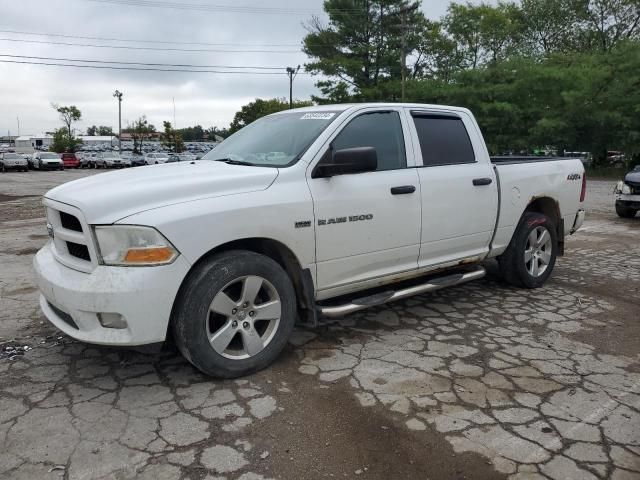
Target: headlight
131, 245
623, 188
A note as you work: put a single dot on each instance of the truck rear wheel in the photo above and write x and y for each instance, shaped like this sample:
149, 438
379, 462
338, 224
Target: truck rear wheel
235, 314
624, 211
531, 254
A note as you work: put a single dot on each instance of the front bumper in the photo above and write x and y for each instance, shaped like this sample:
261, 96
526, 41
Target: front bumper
15, 165
142, 296
51, 165
632, 201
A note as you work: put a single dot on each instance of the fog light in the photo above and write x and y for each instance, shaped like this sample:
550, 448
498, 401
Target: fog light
112, 320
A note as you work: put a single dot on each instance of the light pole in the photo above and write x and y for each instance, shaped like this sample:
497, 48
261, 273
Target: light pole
118, 95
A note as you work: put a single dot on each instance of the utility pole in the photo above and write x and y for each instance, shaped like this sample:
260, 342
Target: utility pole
403, 52
292, 73
118, 95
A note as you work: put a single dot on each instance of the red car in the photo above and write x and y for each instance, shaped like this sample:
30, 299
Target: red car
69, 160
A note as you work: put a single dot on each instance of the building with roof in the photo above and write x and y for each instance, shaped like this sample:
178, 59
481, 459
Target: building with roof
28, 143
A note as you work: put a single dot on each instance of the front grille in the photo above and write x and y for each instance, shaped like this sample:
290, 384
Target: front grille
71, 237
70, 222
65, 317
78, 251
635, 187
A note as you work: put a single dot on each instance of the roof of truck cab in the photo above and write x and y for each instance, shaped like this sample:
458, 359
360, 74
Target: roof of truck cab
346, 106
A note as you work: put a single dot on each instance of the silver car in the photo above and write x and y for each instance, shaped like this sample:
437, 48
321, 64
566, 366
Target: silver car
112, 160
47, 160
13, 161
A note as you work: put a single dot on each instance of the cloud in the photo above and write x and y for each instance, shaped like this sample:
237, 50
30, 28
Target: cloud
200, 98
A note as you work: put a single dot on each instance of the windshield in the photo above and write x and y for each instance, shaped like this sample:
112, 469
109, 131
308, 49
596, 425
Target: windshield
274, 141
11, 156
48, 156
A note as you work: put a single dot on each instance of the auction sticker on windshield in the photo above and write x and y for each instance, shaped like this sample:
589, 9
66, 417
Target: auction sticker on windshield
317, 116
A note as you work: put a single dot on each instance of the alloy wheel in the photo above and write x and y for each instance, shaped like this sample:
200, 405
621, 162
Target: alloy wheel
243, 317
538, 250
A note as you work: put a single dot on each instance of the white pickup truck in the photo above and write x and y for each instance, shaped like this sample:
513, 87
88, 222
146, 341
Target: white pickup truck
317, 211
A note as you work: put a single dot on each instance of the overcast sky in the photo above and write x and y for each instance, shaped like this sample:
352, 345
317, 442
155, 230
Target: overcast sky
208, 99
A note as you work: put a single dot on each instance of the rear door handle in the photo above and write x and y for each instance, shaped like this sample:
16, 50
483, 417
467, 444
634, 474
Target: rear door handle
479, 182
404, 190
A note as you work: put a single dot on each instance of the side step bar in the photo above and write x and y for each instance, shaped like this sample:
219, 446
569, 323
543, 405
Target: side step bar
390, 296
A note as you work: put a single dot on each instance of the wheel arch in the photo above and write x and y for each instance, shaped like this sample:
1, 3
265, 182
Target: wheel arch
300, 278
551, 208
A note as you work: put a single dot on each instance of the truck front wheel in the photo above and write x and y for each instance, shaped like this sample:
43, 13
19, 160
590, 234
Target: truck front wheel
531, 255
234, 314
624, 211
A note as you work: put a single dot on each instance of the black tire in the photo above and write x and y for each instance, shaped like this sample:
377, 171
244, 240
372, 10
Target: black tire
513, 266
192, 320
624, 211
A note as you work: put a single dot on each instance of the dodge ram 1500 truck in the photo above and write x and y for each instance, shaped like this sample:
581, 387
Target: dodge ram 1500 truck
318, 211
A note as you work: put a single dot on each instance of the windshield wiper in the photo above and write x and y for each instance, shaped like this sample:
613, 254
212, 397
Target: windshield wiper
231, 161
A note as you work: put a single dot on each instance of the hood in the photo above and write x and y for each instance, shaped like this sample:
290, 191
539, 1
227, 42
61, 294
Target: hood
109, 197
633, 177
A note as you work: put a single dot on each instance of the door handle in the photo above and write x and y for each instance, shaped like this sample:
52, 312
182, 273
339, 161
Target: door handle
478, 182
404, 190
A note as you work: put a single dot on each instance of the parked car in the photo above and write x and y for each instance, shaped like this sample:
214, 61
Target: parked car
155, 158
69, 160
186, 157
301, 213
13, 161
173, 157
47, 161
112, 160
87, 160
616, 159
627, 194
137, 160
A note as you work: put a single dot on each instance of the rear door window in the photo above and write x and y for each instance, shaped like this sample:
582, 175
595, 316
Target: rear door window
443, 140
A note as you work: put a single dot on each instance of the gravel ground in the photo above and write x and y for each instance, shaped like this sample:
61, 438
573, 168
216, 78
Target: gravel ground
479, 381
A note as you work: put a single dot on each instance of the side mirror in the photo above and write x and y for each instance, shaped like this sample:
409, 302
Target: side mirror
346, 161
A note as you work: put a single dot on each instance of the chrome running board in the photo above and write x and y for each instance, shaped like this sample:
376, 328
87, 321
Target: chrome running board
391, 296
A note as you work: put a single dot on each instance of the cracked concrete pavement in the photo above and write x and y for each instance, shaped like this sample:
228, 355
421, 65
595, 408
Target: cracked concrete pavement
480, 381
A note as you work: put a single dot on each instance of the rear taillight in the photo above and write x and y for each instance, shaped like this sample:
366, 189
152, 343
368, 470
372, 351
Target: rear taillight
583, 192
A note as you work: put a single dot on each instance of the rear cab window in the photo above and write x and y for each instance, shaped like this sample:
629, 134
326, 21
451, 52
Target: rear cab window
443, 138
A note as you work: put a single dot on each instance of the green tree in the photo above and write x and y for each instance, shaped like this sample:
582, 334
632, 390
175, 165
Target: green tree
105, 131
437, 54
552, 26
610, 22
359, 50
484, 33
259, 108
68, 115
171, 138
62, 142
214, 133
192, 134
92, 131
140, 131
